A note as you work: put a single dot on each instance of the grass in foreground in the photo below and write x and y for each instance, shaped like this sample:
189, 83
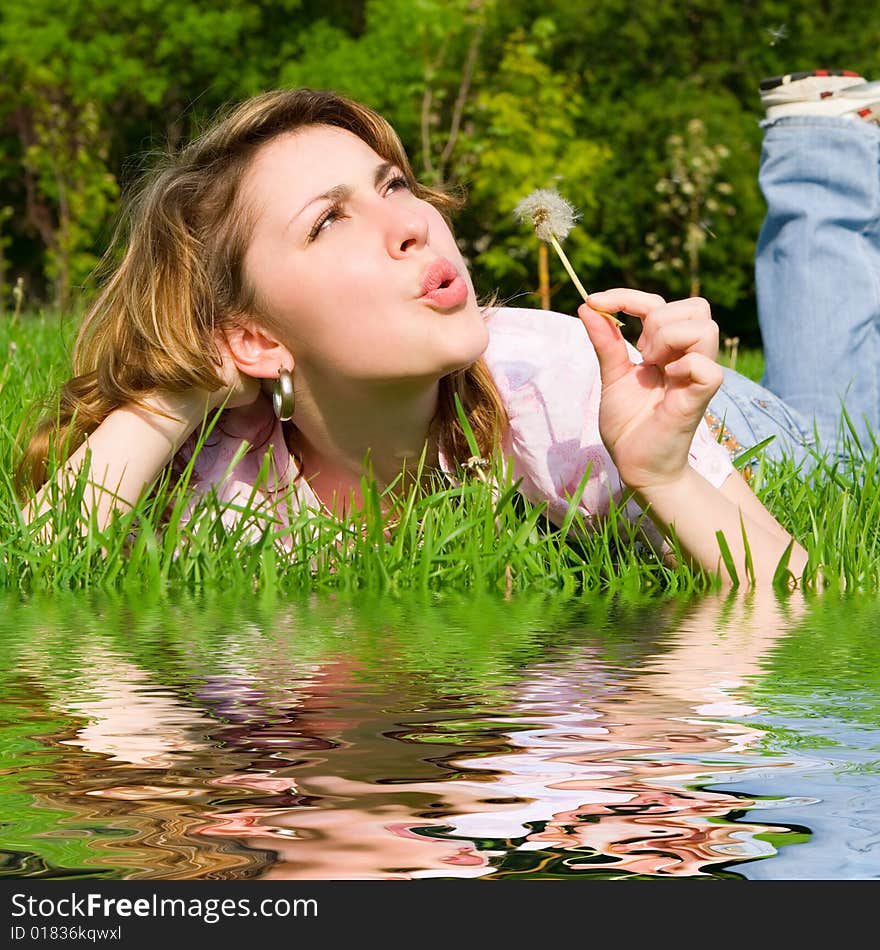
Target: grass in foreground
469, 535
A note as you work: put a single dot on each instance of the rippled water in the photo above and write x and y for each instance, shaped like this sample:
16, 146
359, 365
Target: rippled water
538, 737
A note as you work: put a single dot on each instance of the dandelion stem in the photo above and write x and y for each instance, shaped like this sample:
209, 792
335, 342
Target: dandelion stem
574, 278
567, 264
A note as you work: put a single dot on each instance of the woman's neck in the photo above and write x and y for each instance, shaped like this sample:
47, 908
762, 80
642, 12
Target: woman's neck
381, 429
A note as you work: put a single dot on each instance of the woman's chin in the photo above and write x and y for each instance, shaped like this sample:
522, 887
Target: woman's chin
467, 348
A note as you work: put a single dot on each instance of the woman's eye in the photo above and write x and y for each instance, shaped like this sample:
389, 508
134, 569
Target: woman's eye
335, 212
397, 183
328, 217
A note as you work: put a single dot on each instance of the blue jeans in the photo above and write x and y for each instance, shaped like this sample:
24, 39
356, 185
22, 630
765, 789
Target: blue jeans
817, 273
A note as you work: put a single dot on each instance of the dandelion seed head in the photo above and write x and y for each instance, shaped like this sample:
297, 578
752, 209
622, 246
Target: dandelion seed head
548, 212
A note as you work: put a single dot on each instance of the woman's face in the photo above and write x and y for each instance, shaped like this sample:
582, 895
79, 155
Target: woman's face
342, 255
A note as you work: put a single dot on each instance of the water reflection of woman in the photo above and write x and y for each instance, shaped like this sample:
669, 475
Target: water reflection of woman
578, 768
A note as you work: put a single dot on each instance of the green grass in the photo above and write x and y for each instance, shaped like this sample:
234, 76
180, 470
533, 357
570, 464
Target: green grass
749, 362
465, 536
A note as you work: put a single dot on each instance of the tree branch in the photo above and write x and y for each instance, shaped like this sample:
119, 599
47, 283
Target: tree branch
427, 103
470, 63
427, 100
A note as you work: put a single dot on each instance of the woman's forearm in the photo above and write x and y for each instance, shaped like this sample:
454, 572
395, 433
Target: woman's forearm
694, 511
126, 453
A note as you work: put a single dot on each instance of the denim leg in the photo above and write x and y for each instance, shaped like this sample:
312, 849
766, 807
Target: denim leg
817, 268
753, 414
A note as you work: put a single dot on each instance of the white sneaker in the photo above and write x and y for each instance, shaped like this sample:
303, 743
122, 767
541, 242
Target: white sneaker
822, 92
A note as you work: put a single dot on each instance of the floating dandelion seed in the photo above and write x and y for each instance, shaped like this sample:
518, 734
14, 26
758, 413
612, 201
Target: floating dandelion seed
704, 225
777, 33
552, 218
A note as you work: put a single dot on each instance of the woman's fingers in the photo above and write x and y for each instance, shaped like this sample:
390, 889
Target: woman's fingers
635, 302
691, 382
669, 329
693, 311
662, 343
696, 379
680, 337
691, 308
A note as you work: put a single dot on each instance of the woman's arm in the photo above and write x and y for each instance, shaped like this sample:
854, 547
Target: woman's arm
695, 510
125, 454
647, 417
134, 443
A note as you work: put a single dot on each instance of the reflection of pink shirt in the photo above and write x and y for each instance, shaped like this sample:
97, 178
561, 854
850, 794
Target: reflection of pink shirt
548, 377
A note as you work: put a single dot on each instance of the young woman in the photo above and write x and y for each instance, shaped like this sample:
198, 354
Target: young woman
288, 260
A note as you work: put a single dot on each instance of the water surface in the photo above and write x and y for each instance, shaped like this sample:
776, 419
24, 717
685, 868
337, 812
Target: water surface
534, 737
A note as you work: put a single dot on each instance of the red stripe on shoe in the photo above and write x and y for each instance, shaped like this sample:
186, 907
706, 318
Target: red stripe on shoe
773, 82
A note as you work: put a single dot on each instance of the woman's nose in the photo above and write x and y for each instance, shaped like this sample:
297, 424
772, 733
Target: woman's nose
407, 230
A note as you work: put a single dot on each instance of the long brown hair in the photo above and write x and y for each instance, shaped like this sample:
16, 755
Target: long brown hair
181, 277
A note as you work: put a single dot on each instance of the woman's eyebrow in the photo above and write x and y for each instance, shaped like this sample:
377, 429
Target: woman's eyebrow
341, 193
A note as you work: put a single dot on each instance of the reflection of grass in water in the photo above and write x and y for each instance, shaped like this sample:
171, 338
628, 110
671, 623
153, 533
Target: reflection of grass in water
466, 644
560, 866
581, 862
51, 828
781, 839
28, 818
828, 668
463, 537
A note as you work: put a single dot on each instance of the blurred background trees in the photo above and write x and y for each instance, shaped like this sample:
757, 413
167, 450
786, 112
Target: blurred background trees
645, 116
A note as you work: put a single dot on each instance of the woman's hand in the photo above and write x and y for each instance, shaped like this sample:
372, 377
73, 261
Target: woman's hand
649, 412
647, 418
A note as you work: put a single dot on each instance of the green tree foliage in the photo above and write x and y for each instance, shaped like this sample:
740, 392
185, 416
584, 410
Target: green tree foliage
65, 160
404, 48
693, 198
88, 85
647, 70
523, 135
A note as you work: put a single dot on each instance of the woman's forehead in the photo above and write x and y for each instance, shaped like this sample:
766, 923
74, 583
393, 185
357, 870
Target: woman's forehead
309, 161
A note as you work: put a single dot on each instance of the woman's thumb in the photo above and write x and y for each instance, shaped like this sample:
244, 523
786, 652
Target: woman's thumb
608, 343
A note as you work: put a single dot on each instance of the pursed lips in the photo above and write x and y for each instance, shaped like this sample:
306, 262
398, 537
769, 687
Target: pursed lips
443, 287
439, 273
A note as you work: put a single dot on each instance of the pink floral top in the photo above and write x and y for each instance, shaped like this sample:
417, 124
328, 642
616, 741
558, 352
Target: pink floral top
547, 374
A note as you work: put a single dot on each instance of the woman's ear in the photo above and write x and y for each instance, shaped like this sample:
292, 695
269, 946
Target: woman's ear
255, 351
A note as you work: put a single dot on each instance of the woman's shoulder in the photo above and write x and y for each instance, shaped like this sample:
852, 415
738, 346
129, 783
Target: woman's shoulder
538, 335
517, 323
546, 372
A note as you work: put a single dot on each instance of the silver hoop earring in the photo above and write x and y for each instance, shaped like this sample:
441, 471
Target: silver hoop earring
282, 395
